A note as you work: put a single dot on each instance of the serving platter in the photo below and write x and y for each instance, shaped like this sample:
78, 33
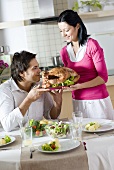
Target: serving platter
59, 87
66, 145
55, 88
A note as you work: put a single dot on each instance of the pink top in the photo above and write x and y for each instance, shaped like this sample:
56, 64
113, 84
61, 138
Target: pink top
91, 66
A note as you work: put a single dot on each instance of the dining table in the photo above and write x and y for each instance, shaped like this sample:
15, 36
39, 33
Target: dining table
94, 152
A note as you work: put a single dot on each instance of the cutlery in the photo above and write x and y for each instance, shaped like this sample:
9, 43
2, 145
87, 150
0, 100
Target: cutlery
84, 144
5, 148
32, 149
100, 134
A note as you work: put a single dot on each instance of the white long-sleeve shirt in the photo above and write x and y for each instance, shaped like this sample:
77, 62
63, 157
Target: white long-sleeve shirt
11, 96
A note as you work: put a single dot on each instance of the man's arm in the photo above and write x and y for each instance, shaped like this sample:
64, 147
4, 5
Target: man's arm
56, 109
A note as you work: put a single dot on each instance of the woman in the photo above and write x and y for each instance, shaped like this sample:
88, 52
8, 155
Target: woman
84, 55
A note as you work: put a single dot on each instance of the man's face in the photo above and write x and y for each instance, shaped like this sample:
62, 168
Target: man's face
33, 72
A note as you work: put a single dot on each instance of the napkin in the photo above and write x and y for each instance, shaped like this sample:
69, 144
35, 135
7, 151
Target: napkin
10, 159
100, 152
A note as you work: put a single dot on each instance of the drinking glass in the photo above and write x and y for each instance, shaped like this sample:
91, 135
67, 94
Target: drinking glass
77, 117
26, 134
75, 132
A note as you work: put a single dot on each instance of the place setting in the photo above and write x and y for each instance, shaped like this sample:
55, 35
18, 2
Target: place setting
94, 128
8, 142
53, 137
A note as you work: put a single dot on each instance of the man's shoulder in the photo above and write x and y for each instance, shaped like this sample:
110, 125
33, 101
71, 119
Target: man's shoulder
6, 85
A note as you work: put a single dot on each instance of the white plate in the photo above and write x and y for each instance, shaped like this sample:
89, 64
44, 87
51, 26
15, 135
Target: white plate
66, 145
12, 140
101, 121
103, 128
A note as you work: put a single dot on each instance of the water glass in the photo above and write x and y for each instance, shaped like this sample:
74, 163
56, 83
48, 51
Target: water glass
75, 132
77, 125
77, 117
26, 134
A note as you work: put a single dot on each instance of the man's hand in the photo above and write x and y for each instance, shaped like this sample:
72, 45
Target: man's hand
36, 93
32, 96
57, 95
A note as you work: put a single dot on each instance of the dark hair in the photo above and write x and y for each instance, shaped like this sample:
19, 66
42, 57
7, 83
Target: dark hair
20, 63
72, 18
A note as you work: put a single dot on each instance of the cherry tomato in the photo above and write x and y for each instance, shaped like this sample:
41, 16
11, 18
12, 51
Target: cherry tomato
37, 133
53, 146
34, 127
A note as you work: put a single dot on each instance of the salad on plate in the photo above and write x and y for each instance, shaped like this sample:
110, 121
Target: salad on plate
38, 127
92, 126
5, 140
57, 129
53, 145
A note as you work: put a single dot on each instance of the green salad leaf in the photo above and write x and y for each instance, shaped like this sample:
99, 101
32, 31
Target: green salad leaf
7, 139
67, 82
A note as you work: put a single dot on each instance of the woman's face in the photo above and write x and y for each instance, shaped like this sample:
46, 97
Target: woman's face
69, 32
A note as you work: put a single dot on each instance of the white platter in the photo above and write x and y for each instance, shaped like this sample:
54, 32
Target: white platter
12, 140
66, 145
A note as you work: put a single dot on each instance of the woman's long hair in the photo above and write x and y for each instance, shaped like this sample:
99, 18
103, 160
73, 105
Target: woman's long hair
72, 18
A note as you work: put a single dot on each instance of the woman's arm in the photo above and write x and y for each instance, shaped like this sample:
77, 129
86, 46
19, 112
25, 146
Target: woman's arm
92, 83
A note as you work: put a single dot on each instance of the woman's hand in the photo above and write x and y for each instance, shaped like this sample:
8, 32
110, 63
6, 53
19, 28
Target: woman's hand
92, 83
72, 87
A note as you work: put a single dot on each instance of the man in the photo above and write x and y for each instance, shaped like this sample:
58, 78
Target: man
21, 97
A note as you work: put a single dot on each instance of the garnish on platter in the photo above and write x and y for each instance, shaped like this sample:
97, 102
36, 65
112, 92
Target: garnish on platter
57, 129
53, 145
5, 140
38, 127
59, 77
92, 126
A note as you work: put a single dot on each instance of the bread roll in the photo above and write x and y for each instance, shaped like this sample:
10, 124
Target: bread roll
2, 141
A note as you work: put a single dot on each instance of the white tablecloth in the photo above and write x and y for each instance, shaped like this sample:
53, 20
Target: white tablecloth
100, 152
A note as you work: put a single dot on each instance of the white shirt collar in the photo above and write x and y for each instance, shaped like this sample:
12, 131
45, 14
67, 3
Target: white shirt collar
79, 55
